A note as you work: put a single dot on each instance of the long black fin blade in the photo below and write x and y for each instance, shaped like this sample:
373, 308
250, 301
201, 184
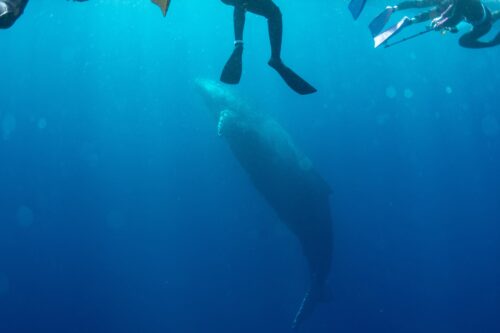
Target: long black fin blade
231, 73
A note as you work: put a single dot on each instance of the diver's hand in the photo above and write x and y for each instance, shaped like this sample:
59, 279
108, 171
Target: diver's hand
444, 21
439, 23
391, 9
443, 26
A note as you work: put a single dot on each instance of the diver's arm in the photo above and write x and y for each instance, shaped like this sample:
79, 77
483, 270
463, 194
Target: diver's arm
455, 13
416, 4
239, 23
449, 18
425, 16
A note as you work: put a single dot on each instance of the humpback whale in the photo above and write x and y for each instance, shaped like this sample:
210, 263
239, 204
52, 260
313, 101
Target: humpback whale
284, 176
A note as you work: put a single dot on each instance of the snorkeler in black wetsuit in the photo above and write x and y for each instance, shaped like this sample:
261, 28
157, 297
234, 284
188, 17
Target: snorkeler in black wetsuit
11, 10
437, 7
475, 13
268, 9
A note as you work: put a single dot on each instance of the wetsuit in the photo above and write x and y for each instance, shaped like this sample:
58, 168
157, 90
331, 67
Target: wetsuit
265, 8
378, 23
11, 10
478, 15
439, 6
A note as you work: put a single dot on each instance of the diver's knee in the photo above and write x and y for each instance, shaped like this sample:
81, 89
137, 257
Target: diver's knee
496, 40
462, 42
274, 13
465, 41
277, 13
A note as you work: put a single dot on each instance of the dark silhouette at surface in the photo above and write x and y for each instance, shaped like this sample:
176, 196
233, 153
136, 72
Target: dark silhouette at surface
11, 10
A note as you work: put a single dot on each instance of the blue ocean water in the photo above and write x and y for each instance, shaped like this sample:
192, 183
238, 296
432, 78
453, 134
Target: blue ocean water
121, 210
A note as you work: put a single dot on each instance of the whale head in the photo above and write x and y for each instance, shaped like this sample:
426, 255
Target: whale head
218, 98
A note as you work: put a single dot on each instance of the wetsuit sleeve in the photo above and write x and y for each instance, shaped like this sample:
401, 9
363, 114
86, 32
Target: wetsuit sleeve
457, 12
425, 16
417, 4
239, 22
428, 15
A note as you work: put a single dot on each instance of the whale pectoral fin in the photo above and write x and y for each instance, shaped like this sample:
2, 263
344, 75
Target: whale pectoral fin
305, 309
219, 127
314, 296
223, 115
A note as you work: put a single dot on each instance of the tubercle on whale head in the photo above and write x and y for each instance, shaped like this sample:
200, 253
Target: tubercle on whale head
218, 97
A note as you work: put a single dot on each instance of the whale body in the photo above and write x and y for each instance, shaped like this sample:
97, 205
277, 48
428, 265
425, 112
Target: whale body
284, 176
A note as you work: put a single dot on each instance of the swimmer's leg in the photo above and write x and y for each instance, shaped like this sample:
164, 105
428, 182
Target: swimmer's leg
471, 39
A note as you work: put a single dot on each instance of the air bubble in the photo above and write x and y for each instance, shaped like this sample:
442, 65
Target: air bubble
391, 92
408, 93
490, 126
42, 123
25, 216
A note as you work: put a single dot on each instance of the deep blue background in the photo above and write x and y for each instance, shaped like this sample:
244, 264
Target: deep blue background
122, 211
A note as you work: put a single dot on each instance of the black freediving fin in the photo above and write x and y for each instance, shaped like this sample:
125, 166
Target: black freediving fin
356, 7
379, 22
163, 4
292, 79
231, 73
392, 31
